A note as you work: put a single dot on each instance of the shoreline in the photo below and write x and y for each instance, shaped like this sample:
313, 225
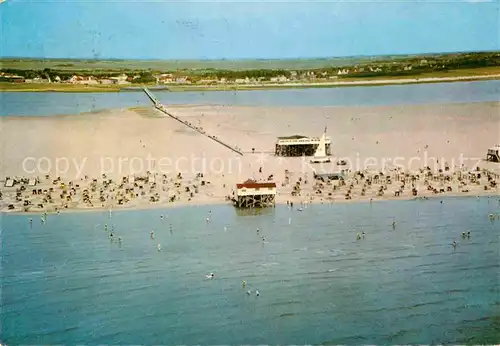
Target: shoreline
76, 88
171, 206
163, 164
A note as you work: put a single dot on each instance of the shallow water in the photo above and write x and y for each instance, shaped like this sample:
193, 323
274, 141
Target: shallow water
65, 282
52, 103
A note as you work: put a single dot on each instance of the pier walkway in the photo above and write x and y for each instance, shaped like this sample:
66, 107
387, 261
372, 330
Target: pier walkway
162, 108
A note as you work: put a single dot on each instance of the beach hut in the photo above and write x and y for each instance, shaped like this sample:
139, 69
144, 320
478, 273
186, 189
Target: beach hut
252, 194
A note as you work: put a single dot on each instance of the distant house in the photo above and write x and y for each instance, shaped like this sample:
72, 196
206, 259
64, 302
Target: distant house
40, 80
107, 81
182, 80
82, 80
207, 81
75, 79
121, 79
164, 78
279, 79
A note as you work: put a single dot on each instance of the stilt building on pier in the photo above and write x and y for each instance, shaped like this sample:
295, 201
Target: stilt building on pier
298, 145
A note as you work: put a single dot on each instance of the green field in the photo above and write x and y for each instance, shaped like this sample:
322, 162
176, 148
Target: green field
175, 65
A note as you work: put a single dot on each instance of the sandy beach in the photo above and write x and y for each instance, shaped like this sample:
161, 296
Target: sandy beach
136, 158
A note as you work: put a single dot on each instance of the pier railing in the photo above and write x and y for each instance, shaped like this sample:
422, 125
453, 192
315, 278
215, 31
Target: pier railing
163, 109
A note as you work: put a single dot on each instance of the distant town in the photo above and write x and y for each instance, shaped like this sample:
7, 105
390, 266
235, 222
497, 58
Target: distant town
412, 66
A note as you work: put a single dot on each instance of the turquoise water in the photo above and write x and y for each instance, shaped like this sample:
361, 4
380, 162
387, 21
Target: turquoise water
65, 282
52, 103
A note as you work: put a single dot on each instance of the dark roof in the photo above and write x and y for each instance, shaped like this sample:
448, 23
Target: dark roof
293, 137
252, 184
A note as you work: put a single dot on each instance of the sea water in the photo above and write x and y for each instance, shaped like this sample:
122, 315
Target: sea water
53, 103
66, 282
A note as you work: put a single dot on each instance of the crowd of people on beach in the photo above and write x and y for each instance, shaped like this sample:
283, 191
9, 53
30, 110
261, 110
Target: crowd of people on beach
50, 194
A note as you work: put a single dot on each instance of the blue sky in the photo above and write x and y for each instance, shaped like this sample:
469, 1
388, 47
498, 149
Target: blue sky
250, 29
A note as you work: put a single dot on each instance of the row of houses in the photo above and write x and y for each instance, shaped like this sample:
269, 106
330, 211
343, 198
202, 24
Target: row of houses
169, 78
122, 79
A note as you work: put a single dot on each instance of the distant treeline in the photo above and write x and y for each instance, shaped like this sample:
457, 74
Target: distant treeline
228, 74
414, 65
64, 75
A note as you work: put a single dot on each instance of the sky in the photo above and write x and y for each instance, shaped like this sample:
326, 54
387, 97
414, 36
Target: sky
178, 30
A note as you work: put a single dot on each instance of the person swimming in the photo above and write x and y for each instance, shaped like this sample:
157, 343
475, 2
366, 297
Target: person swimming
210, 276
257, 293
243, 283
454, 244
358, 236
152, 234
159, 247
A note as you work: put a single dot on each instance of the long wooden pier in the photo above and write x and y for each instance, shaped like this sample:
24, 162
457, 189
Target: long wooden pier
162, 108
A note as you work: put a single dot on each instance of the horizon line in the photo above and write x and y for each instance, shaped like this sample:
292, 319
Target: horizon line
251, 59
